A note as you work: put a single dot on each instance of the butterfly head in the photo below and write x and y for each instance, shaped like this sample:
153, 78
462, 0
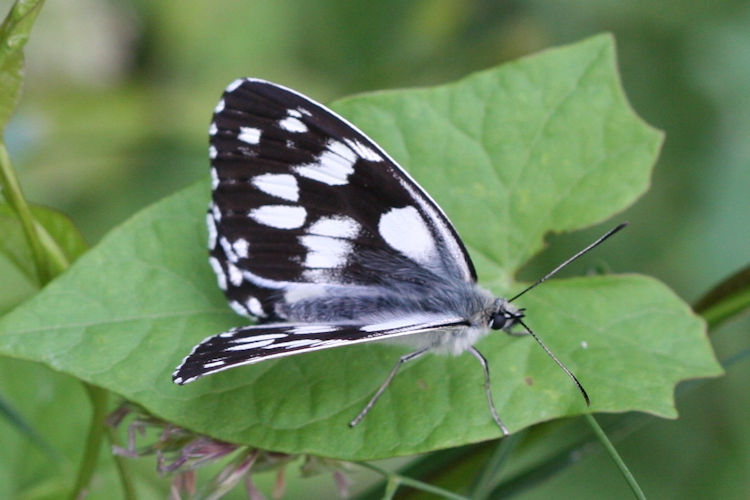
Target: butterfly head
505, 315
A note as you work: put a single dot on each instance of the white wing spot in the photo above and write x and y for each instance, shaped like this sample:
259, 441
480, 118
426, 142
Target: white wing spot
255, 308
229, 252
279, 216
250, 135
265, 282
280, 185
405, 230
293, 343
214, 364
250, 345
331, 343
311, 329
292, 124
215, 212
219, 106
334, 165
211, 231
256, 338
336, 226
320, 275
324, 251
438, 222
221, 278
212, 153
214, 179
255, 341
238, 308
363, 151
293, 112
241, 248
213, 129
303, 291
235, 275
302, 111
233, 86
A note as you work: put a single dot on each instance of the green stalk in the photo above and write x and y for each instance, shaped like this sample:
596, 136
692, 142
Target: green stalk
126, 481
488, 478
58, 261
726, 308
395, 480
98, 397
726, 300
609, 447
391, 486
12, 192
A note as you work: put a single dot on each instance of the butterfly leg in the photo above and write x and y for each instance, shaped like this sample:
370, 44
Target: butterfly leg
486, 369
403, 359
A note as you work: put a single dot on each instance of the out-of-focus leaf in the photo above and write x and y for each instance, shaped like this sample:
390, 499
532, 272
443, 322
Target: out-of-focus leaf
14, 32
17, 268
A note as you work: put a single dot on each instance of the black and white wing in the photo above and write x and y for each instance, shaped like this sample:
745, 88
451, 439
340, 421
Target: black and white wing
303, 201
248, 345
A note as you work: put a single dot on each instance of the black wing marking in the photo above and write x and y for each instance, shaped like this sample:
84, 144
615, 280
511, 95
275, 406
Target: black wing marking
252, 344
301, 197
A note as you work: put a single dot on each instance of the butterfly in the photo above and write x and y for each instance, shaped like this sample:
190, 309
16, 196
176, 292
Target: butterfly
319, 235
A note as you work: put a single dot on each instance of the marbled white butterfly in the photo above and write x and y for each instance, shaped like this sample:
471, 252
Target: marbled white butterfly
324, 239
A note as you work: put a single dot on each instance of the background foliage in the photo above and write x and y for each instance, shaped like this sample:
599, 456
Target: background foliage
118, 96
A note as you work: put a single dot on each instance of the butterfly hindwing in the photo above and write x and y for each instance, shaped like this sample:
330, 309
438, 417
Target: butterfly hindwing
303, 200
247, 345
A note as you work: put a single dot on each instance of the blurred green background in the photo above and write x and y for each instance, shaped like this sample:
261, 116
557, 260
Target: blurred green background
118, 97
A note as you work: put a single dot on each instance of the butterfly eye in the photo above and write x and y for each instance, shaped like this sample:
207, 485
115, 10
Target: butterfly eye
501, 320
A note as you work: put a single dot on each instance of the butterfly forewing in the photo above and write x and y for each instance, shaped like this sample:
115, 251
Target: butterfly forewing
243, 346
303, 203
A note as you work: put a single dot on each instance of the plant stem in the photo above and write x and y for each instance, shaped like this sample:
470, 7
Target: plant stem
604, 440
488, 477
12, 192
391, 485
395, 480
727, 308
98, 397
126, 482
730, 297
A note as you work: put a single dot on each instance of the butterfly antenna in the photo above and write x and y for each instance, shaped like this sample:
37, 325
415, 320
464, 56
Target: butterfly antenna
568, 261
559, 363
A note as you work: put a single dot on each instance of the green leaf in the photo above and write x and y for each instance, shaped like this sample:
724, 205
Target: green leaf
14, 32
546, 143
17, 267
